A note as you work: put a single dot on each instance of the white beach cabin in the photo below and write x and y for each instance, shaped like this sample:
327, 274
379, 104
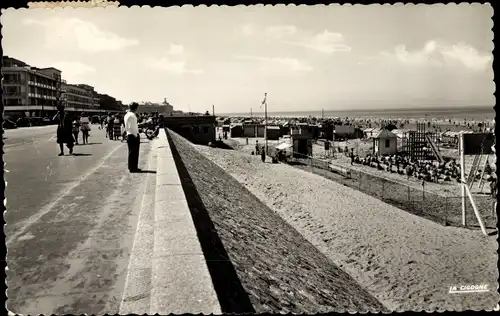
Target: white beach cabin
385, 143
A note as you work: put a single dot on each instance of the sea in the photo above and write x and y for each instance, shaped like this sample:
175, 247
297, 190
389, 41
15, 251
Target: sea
478, 113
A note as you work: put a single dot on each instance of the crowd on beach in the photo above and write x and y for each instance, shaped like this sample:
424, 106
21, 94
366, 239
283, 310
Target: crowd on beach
429, 171
436, 125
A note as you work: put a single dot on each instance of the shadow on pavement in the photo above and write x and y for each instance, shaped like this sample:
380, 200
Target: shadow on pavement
147, 171
80, 154
94, 143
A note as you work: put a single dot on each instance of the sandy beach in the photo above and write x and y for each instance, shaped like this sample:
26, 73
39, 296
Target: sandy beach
406, 262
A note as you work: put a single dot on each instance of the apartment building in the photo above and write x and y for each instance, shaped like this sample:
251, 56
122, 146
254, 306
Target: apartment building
78, 97
27, 90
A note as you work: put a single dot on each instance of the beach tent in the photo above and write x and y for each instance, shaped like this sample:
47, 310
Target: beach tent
237, 130
273, 132
284, 146
370, 132
401, 133
385, 143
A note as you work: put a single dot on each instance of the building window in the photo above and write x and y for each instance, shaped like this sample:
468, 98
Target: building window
387, 143
205, 129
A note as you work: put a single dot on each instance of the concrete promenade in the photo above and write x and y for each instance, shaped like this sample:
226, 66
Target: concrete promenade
179, 278
86, 236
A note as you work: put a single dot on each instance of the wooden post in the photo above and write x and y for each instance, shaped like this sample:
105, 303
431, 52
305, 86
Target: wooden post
476, 211
383, 189
409, 194
423, 190
265, 126
462, 177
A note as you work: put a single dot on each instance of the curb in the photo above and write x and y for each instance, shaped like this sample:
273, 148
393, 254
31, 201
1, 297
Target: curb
180, 280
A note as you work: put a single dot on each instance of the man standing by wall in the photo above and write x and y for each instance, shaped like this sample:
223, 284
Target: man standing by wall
133, 140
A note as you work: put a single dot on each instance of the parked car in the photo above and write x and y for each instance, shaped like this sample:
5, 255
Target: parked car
94, 119
36, 121
47, 121
23, 122
8, 124
54, 120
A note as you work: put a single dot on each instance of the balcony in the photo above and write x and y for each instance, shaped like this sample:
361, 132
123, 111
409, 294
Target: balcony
14, 82
14, 95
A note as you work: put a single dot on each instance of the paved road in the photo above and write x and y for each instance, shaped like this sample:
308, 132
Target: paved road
25, 135
70, 221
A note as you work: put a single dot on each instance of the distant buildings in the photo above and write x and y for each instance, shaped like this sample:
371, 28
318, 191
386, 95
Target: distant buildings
79, 97
197, 129
166, 109
109, 103
31, 91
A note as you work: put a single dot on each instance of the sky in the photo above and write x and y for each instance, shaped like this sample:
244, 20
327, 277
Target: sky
304, 57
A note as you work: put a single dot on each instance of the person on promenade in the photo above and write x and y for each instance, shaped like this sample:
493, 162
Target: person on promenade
133, 140
76, 129
109, 127
117, 128
493, 186
85, 127
263, 154
64, 126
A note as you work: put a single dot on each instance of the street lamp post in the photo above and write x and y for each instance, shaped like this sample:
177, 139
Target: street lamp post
265, 119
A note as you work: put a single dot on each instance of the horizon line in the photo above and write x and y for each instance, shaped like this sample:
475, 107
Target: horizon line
435, 108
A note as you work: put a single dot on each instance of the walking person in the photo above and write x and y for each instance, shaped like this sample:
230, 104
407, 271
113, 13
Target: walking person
76, 129
85, 127
117, 128
109, 127
64, 127
133, 140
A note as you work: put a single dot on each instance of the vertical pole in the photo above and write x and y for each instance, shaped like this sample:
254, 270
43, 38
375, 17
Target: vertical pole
423, 190
265, 126
462, 177
409, 195
213, 110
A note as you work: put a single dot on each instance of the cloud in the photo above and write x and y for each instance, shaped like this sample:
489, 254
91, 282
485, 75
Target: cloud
74, 67
248, 29
73, 70
290, 63
87, 35
437, 54
176, 49
173, 66
468, 56
279, 31
325, 42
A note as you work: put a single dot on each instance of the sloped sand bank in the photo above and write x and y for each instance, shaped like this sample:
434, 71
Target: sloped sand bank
278, 268
406, 262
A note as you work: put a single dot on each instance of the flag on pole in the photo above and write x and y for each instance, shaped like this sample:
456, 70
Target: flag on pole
264, 101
